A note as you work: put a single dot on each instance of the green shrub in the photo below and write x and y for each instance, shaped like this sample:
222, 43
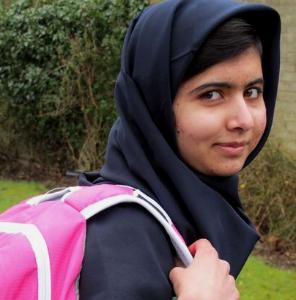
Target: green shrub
269, 192
59, 61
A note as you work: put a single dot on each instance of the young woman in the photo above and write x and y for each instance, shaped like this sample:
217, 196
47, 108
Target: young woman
195, 98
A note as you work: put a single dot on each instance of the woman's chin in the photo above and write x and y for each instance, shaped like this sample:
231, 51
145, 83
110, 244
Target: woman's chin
223, 170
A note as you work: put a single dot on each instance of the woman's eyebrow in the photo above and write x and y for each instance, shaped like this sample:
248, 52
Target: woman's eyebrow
212, 85
256, 81
224, 85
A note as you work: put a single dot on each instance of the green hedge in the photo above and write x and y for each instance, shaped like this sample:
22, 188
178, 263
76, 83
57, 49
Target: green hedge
59, 61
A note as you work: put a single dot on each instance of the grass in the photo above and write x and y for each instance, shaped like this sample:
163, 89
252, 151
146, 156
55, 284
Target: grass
11, 192
258, 280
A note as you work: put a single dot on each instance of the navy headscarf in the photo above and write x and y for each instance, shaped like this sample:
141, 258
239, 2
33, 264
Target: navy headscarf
141, 152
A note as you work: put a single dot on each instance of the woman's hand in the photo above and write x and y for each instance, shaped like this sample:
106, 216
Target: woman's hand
207, 278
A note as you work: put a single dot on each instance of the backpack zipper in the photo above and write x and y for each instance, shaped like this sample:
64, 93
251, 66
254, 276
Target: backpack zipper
52, 195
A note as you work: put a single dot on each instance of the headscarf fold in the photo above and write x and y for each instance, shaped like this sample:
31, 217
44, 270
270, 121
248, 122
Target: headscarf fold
142, 152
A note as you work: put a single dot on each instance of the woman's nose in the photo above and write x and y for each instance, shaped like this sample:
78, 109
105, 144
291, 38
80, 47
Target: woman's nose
240, 115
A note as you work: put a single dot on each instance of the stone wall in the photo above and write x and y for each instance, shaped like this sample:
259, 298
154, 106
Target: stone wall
284, 128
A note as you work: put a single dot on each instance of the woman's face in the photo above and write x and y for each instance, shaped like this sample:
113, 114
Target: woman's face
220, 115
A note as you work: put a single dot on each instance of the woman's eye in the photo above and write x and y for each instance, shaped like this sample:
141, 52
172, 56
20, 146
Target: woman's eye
253, 93
212, 95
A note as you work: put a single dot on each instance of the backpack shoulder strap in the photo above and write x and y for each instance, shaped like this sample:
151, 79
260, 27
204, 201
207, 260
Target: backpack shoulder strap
90, 200
100, 197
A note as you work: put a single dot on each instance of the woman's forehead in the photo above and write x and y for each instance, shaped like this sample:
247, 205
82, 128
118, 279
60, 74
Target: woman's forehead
238, 72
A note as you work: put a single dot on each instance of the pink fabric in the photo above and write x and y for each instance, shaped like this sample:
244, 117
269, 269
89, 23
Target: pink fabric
82, 199
18, 276
18, 213
64, 230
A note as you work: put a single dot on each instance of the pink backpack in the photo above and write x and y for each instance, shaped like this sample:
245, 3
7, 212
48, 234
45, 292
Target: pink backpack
42, 239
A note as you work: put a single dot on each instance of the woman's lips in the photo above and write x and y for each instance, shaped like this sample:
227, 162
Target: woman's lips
232, 148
